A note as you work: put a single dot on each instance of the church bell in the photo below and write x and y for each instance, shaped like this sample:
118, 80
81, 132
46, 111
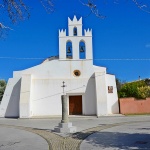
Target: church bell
69, 51
81, 49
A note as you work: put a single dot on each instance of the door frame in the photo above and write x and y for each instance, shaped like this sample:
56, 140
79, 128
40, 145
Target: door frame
75, 94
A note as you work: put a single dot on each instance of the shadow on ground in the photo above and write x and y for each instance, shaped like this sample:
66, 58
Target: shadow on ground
127, 141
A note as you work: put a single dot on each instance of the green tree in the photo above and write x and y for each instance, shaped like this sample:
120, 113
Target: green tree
119, 85
133, 89
2, 88
147, 81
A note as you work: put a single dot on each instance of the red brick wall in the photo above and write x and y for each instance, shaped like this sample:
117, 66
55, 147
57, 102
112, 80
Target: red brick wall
132, 106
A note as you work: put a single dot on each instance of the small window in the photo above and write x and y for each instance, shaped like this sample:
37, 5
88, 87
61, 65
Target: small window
75, 31
76, 73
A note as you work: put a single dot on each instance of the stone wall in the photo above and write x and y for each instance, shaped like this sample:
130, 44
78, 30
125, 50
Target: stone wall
133, 106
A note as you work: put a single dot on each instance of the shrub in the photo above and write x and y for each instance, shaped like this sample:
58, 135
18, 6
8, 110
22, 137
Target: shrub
133, 89
2, 88
143, 92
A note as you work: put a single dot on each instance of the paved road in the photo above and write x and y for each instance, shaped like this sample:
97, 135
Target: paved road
15, 139
124, 137
108, 133
82, 123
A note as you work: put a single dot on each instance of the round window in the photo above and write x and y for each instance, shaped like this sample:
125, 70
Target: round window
76, 73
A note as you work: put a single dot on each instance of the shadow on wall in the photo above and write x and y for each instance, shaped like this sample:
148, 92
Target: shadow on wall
115, 140
90, 96
115, 108
13, 105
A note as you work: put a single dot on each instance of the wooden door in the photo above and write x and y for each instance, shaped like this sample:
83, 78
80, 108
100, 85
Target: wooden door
75, 105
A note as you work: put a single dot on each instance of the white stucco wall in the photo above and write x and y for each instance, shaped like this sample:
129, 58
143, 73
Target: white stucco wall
89, 103
75, 40
101, 94
75, 23
46, 92
107, 103
46, 99
10, 103
75, 46
40, 91
112, 98
60, 69
25, 96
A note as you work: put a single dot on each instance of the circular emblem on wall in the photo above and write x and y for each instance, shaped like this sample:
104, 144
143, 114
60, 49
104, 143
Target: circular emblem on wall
77, 73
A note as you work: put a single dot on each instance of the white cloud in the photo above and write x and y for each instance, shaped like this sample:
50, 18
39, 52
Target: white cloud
147, 45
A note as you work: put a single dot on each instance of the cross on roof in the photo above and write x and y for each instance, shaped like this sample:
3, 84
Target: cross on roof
63, 86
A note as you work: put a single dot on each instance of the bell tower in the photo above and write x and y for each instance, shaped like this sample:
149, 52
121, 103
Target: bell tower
75, 46
75, 26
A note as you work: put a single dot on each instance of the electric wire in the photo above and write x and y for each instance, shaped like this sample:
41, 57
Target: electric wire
101, 59
103, 73
68, 90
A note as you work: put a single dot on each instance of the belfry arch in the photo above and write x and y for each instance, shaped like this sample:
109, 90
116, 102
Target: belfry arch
69, 49
75, 31
82, 50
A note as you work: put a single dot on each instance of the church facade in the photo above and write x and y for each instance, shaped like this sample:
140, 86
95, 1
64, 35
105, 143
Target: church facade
37, 91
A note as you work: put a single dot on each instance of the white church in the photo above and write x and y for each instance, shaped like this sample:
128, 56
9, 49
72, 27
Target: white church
36, 91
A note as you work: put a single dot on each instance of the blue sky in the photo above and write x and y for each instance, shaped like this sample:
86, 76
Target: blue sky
123, 34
